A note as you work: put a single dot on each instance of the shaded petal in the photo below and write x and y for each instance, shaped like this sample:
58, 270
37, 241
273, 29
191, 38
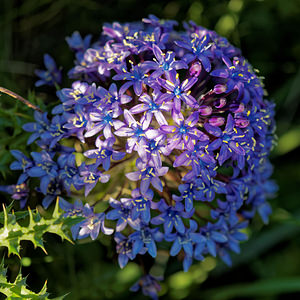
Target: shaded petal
122, 260
134, 176
176, 247
188, 249
156, 182
214, 130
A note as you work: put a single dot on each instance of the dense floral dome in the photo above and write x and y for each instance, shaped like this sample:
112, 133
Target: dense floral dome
172, 126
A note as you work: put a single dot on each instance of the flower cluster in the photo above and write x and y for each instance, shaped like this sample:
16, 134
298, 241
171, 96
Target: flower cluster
184, 115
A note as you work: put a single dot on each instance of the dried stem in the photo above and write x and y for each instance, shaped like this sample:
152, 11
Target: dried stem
20, 98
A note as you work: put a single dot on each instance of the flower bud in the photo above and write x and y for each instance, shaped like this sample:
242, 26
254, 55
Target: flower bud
216, 121
220, 88
195, 69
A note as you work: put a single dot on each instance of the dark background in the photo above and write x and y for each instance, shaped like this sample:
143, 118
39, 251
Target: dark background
268, 34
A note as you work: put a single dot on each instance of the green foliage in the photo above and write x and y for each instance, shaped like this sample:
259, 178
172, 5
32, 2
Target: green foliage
18, 214
18, 289
12, 233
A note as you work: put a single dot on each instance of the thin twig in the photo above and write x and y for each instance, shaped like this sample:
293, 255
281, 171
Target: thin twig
20, 98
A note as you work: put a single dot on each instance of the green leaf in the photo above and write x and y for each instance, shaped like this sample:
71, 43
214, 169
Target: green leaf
18, 289
11, 234
19, 214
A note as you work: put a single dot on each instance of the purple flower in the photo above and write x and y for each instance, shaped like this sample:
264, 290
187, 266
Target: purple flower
67, 171
185, 133
207, 239
148, 174
72, 210
235, 74
122, 211
56, 131
104, 153
188, 112
111, 98
92, 224
89, 176
189, 192
230, 140
152, 107
103, 120
163, 62
77, 122
18, 191
136, 77
80, 93
178, 91
135, 131
200, 159
150, 151
165, 25
199, 48
54, 190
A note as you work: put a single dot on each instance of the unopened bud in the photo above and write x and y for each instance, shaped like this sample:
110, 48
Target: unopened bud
220, 88
216, 121
195, 69
205, 110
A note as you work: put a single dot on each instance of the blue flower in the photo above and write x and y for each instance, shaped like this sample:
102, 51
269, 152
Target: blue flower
199, 48
77, 43
164, 62
149, 285
126, 248
136, 77
187, 122
44, 168
67, 171
146, 237
51, 76
92, 224
208, 238
183, 240
18, 191
22, 163
135, 131
122, 211
171, 217
186, 134
104, 153
89, 176
178, 91
141, 205
148, 174
38, 128
230, 141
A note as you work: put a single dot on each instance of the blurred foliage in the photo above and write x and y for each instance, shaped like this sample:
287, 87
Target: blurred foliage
268, 34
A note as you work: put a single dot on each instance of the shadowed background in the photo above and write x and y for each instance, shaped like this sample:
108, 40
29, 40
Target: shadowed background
268, 34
